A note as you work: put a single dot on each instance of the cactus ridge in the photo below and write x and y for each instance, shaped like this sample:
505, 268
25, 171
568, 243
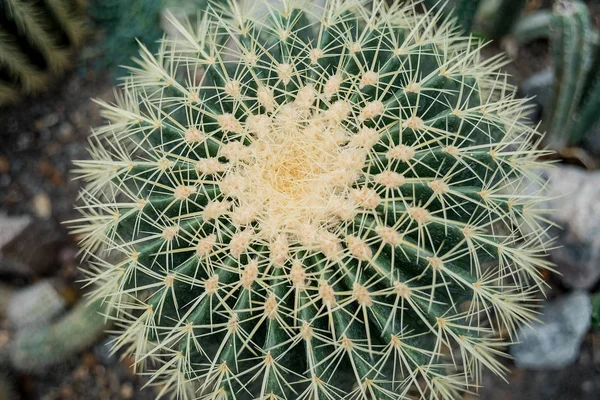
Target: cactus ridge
294, 202
36, 40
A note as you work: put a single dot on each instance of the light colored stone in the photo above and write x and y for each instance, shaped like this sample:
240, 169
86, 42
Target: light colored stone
554, 342
575, 205
28, 245
539, 86
34, 305
11, 227
42, 205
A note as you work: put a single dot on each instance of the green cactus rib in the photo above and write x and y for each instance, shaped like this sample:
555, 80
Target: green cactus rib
31, 25
533, 27
295, 202
505, 17
463, 10
588, 116
70, 21
569, 28
36, 348
36, 41
18, 66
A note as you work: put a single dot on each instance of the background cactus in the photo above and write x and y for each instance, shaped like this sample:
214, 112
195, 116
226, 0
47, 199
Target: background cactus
41, 346
127, 23
463, 10
569, 28
36, 39
504, 17
300, 203
571, 112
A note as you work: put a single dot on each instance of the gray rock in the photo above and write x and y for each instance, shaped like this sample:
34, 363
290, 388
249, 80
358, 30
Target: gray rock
575, 205
554, 342
167, 16
28, 246
592, 140
539, 86
36, 304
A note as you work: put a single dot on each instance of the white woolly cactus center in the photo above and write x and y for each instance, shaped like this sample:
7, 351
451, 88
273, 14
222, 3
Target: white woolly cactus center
315, 203
298, 169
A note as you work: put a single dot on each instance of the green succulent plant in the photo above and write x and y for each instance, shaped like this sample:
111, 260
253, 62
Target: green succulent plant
570, 113
572, 110
504, 17
36, 41
38, 347
301, 202
463, 10
125, 24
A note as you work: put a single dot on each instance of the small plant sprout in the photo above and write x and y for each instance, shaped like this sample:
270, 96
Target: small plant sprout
315, 203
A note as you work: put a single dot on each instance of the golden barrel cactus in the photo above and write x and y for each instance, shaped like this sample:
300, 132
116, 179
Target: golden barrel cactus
294, 201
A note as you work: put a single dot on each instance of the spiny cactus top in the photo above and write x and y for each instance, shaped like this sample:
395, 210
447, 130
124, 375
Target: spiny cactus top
315, 203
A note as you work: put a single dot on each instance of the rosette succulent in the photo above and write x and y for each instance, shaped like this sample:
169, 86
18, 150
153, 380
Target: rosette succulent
294, 201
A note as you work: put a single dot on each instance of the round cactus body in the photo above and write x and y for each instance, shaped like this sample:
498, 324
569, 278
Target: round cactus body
295, 202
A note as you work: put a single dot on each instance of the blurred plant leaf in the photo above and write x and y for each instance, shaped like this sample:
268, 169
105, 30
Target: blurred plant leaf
596, 310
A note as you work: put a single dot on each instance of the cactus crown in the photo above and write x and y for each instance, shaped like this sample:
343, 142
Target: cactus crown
294, 202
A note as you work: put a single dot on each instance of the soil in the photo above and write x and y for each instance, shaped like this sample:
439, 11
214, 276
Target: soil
39, 139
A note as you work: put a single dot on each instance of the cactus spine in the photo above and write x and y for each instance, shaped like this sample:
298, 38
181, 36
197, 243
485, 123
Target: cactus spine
505, 17
463, 10
36, 38
306, 203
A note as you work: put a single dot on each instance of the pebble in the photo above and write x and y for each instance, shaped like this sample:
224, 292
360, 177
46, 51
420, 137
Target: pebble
11, 227
46, 121
574, 195
554, 341
126, 391
29, 245
42, 205
65, 132
34, 305
539, 86
4, 165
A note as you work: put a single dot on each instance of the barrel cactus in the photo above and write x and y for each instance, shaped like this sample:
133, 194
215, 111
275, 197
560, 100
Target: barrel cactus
301, 202
36, 41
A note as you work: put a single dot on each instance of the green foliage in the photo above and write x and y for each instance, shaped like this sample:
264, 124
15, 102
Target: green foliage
290, 202
596, 310
569, 28
36, 42
573, 107
588, 114
127, 23
463, 10
124, 23
41, 346
505, 16
533, 27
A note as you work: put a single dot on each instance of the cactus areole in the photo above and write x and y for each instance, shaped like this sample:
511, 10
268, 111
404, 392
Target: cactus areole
300, 202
